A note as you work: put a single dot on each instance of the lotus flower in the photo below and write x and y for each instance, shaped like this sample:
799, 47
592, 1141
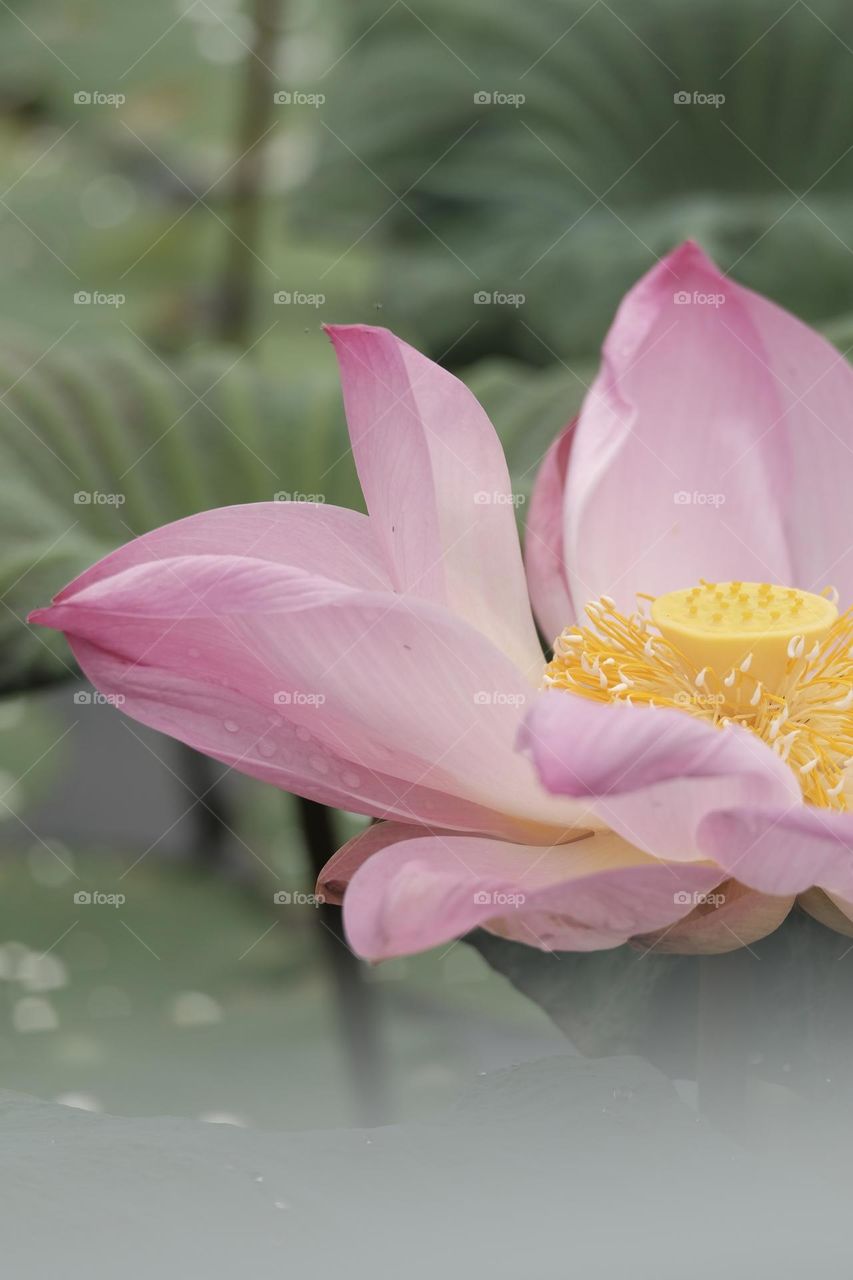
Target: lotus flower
675, 774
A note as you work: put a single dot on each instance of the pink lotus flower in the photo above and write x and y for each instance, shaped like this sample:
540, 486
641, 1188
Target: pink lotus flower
681, 782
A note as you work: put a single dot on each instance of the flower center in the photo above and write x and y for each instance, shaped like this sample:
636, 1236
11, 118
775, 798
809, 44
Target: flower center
719, 624
775, 659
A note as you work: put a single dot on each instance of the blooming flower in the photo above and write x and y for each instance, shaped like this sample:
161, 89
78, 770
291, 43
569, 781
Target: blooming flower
684, 761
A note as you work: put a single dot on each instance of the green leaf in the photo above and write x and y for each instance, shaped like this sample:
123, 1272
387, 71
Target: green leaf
570, 196
99, 446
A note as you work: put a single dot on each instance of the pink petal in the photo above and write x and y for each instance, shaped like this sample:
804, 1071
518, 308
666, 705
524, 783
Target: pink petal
592, 893
677, 470
326, 540
342, 866
437, 487
651, 774
544, 550
363, 699
783, 849
814, 433
732, 916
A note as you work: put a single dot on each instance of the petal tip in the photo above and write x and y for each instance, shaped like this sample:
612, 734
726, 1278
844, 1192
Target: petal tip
337, 333
42, 617
689, 259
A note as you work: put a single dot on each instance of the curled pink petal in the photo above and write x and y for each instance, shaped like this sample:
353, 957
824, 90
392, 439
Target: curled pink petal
592, 893
783, 850
339, 870
437, 487
651, 774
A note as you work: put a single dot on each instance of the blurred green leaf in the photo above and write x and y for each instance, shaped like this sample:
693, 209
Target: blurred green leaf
99, 446
570, 196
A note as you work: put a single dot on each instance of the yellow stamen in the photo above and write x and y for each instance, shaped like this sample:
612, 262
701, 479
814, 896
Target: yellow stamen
779, 662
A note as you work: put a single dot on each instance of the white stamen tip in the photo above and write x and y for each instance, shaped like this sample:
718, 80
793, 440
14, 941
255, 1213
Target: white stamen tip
776, 724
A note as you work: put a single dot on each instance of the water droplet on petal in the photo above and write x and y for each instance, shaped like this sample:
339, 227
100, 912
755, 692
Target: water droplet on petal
231, 726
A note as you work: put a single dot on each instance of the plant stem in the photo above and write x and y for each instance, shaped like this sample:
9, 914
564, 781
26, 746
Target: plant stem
211, 816
237, 290
357, 1005
358, 1013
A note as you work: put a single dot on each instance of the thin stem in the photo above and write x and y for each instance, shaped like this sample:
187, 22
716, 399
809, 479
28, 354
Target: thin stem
234, 314
358, 1013
234, 319
212, 818
357, 1005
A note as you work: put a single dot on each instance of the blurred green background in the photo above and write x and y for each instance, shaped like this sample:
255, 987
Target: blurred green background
187, 192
